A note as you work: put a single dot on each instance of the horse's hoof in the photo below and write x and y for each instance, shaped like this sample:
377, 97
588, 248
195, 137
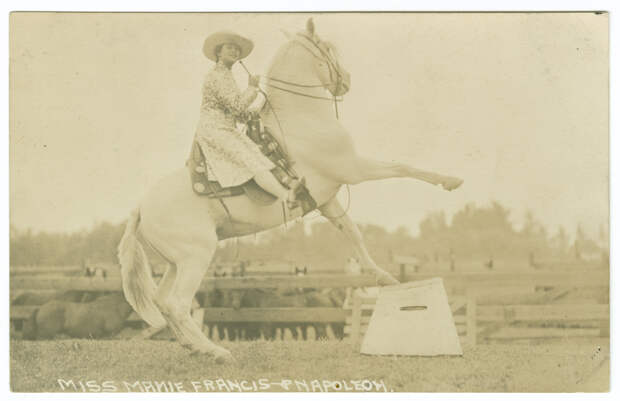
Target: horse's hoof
220, 355
188, 346
224, 357
451, 183
386, 278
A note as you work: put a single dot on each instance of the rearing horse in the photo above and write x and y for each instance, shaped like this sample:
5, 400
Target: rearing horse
185, 228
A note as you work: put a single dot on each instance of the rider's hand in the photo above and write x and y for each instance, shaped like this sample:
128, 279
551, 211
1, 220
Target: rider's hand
253, 80
257, 104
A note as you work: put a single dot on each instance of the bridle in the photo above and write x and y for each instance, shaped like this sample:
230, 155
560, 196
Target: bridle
325, 57
333, 70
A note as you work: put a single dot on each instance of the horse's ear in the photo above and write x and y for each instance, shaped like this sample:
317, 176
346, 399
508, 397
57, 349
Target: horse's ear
310, 26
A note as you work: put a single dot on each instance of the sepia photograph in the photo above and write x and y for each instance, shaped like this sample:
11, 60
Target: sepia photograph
309, 202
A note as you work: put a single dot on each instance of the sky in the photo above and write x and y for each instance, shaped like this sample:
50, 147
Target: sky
104, 105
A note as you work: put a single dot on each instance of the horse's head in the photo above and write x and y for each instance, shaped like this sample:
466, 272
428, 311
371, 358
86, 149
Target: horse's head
325, 61
314, 58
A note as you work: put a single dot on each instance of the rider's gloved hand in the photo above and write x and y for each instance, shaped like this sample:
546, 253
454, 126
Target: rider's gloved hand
257, 104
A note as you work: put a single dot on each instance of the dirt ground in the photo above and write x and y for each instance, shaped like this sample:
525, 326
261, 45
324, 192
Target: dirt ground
116, 365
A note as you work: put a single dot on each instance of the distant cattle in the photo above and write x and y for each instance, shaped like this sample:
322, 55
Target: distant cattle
222, 298
316, 299
38, 298
102, 317
272, 298
259, 298
268, 298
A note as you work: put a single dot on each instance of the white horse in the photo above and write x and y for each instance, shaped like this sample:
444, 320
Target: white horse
185, 228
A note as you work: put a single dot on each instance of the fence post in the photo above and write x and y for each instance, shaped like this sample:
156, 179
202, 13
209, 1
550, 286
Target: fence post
356, 319
471, 317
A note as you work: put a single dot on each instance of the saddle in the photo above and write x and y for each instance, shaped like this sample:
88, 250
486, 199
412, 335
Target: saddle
203, 185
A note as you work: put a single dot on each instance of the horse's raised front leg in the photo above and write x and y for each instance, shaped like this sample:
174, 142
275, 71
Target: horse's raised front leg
369, 170
338, 217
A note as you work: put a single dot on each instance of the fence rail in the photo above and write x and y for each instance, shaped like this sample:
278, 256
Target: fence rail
209, 283
451, 280
321, 315
19, 271
230, 315
471, 318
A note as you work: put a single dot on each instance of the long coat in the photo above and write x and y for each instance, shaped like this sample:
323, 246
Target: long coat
232, 158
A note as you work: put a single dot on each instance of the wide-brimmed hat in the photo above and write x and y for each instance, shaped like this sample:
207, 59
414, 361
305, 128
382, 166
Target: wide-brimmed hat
221, 37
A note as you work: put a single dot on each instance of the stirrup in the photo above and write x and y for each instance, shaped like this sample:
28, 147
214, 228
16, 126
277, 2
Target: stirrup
294, 189
292, 203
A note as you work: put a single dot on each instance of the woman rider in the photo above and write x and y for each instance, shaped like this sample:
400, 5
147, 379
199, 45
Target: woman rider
232, 157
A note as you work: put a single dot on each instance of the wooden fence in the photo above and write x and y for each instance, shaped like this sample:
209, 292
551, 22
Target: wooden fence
473, 321
492, 322
476, 321
21, 282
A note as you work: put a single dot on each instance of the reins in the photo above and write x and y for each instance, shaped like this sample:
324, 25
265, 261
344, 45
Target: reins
293, 83
335, 99
333, 69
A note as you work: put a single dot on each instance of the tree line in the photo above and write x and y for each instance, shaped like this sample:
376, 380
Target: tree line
474, 233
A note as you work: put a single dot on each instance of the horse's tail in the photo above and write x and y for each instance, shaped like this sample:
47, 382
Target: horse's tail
138, 284
29, 327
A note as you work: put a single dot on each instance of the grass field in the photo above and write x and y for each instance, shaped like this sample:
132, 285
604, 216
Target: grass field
560, 366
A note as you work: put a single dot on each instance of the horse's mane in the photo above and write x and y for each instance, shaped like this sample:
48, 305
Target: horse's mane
294, 40
331, 46
280, 55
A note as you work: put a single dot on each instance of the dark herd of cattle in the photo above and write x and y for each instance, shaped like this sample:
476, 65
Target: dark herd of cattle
259, 298
79, 314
